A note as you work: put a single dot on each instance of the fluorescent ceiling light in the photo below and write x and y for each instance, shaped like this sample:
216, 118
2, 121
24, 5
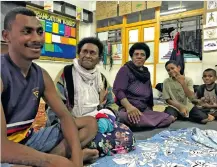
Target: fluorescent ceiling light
176, 7
173, 11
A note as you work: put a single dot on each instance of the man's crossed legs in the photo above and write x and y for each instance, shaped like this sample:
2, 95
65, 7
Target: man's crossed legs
50, 140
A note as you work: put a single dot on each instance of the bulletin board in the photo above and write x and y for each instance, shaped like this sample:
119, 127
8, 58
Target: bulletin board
101, 11
210, 27
111, 9
138, 6
60, 36
125, 7
153, 4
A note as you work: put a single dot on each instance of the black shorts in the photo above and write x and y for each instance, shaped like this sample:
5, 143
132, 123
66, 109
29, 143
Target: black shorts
195, 114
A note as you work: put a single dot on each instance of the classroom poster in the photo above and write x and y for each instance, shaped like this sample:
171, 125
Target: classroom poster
211, 19
117, 53
165, 51
60, 36
210, 33
79, 14
211, 4
210, 45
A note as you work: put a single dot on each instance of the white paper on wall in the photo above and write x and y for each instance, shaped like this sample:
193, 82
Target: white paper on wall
210, 45
165, 51
210, 33
211, 4
211, 19
117, 53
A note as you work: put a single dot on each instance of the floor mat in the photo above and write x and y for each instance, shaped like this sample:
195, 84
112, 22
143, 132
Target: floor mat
169, 148
147, 133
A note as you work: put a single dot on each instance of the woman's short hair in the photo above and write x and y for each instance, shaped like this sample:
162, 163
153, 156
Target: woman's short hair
140, 46
92, 40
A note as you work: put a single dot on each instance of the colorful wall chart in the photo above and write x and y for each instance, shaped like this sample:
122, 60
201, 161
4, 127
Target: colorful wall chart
60, 36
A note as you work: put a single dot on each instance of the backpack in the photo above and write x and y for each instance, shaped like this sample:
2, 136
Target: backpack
67, 71
201, 89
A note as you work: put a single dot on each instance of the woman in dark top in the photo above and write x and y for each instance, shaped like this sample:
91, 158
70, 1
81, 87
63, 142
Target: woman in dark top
133, 90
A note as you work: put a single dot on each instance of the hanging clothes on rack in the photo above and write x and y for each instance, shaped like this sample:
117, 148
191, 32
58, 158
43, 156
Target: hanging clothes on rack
177, 55
165, 34
190, 42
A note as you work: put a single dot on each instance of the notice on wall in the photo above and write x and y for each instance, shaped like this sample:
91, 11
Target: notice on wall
210, 33
124, 7
210, 45
111, 9
211, 19
114, 36
117, 53
138, 6
101, 10
211, 4
79, 14
165, 51
153, 4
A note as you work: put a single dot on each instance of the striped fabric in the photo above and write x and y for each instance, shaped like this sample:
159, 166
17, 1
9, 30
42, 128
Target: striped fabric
20, 97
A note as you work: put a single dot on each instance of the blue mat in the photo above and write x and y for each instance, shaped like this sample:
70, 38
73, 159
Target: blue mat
190, 147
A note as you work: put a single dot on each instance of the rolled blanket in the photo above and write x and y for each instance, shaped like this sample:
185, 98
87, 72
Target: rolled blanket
105, 119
